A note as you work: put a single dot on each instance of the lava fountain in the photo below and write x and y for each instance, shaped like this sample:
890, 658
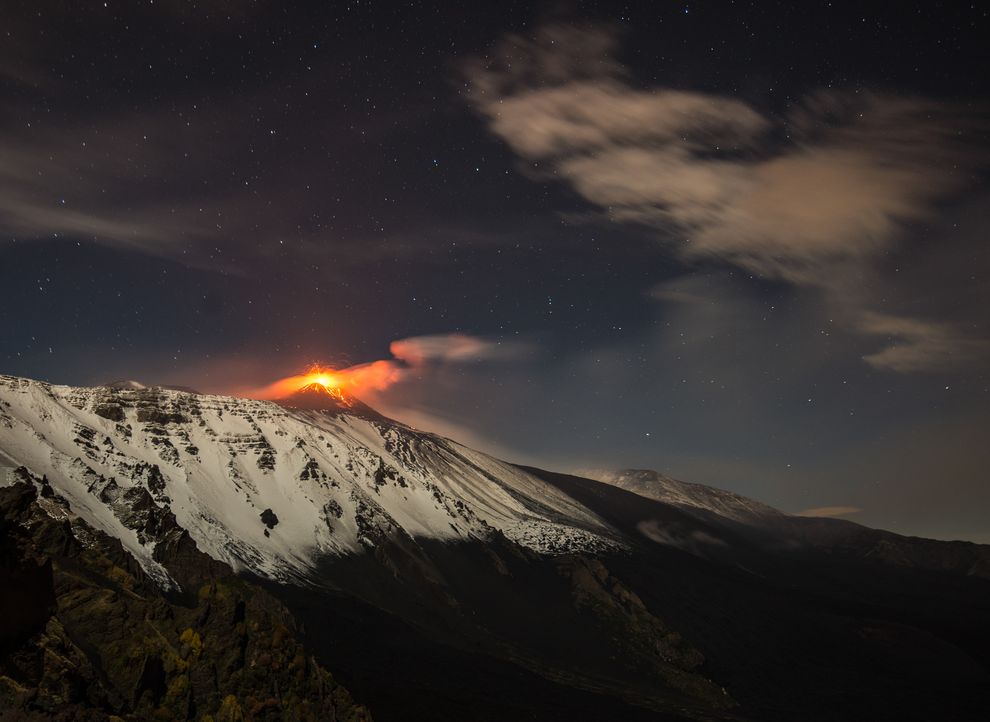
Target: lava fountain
338, 383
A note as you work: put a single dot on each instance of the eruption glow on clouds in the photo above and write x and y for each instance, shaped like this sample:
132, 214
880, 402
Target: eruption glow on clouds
377, 375
408, 354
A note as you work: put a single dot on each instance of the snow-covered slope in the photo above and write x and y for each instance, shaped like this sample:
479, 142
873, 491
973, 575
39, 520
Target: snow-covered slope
690, 497
271, 488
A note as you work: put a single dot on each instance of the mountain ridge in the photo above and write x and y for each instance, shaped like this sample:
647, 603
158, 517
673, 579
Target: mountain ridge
336, 480
833, 535
654, 485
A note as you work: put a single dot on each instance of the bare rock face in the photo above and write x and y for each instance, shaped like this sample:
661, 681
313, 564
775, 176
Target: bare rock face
28, 597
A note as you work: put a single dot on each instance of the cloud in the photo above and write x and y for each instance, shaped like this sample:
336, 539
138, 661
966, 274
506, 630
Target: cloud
167, 183
453, 347
842, 194
163, 169
810, 199
595, 115
76, 182
829, 511
917, 345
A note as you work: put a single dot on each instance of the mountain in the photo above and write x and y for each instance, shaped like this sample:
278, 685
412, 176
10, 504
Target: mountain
125, 384
317, 397
690, 497
838, 537
439, 583
271, 489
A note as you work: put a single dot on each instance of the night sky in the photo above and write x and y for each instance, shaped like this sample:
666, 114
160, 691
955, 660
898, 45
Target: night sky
744, 244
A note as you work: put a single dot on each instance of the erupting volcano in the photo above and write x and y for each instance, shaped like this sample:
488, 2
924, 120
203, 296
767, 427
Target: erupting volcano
319, 395
322, 390
323, 382
340, 385
317, 379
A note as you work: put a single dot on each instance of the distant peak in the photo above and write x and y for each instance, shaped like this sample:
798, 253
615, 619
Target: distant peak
125, 385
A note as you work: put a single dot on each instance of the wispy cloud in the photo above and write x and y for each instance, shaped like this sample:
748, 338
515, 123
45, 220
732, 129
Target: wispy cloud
175, 174
84, 182
808, 199
456, 348
916, 345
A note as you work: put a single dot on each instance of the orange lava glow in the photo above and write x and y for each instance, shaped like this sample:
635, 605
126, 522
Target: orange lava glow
376, 376
324, 378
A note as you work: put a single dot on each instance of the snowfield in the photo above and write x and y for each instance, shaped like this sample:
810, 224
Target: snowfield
266, 488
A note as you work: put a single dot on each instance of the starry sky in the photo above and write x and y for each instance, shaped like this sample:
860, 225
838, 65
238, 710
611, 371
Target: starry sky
744, 244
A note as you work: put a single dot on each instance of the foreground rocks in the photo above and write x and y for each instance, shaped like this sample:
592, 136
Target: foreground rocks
85, 636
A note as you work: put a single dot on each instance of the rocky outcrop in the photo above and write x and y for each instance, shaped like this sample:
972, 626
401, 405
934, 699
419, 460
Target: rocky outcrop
28, 597
84, 635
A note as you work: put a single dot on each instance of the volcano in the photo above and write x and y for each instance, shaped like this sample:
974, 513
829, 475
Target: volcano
319, 397
439, 583
330, 399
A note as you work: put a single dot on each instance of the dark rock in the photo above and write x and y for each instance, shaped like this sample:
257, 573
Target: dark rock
186, 564
46, 490
151, 681
27, 599
269, 518
311, 471
110, 411
266, 460
158, 416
